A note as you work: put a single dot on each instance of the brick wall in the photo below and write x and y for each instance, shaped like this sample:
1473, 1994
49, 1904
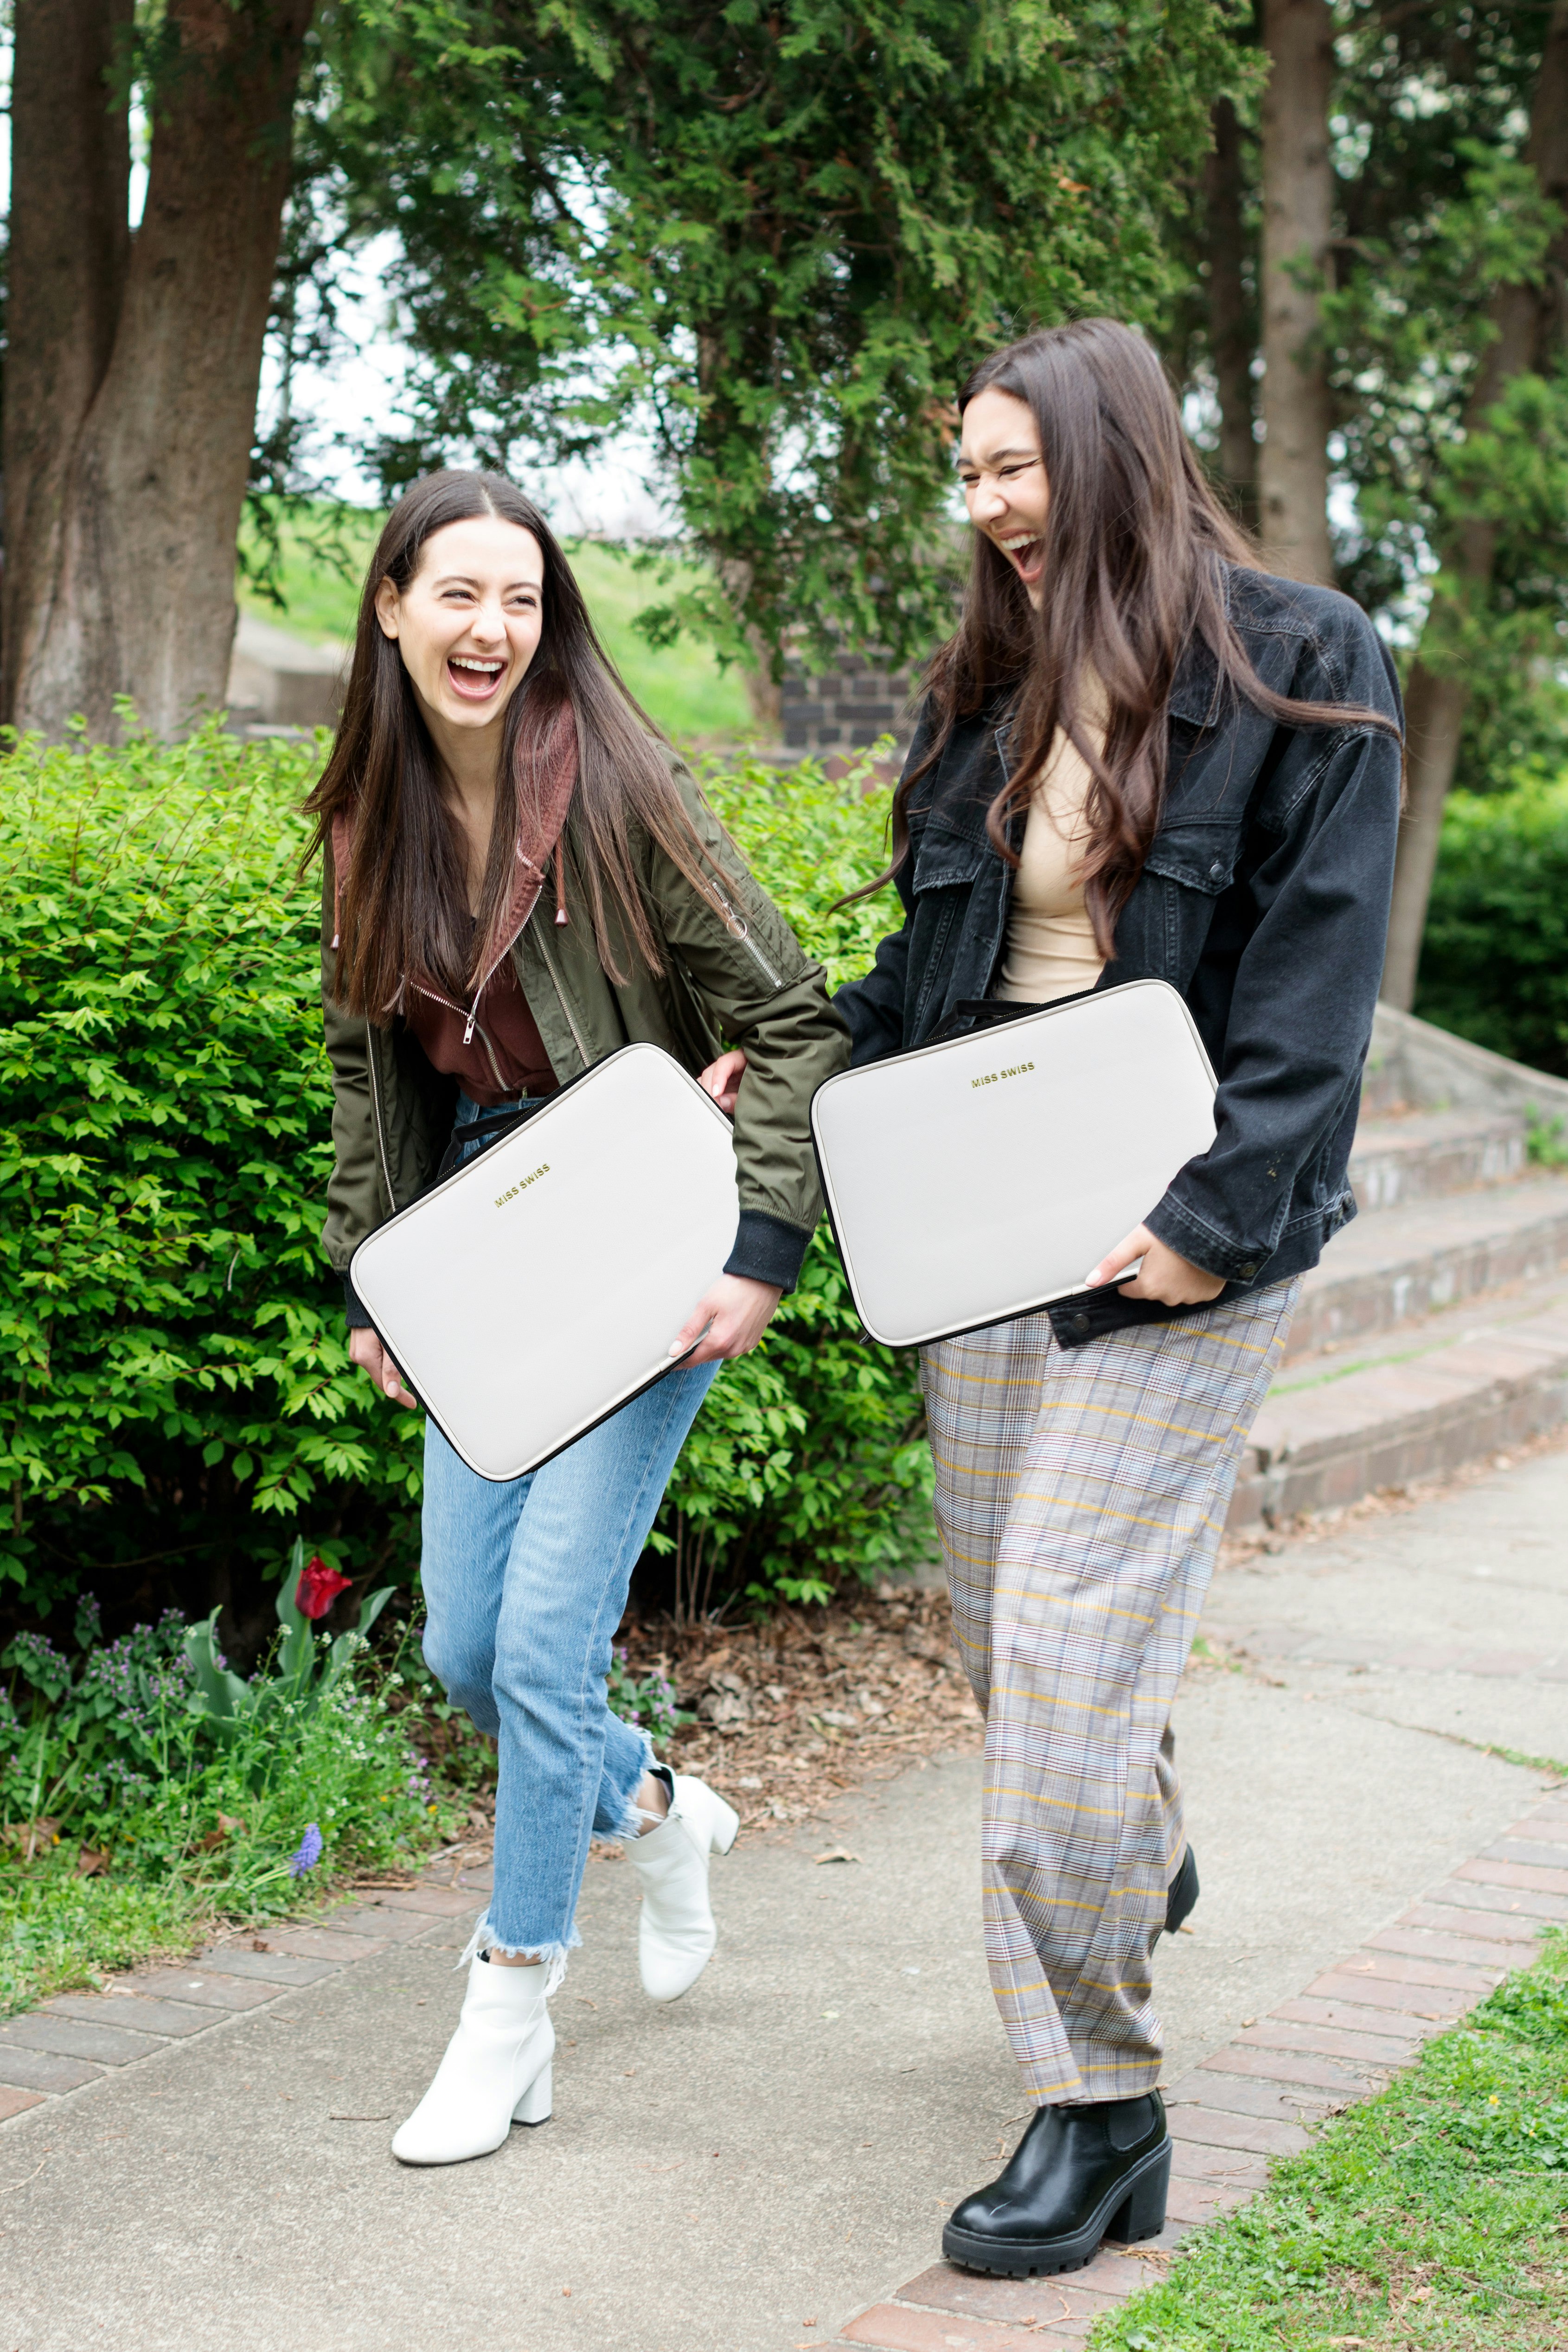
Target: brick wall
845, 709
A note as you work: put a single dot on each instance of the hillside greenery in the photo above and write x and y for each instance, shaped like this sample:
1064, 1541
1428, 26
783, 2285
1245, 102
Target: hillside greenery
304, 573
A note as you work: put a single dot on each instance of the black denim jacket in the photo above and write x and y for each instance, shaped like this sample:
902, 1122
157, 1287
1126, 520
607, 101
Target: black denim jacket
1264, 899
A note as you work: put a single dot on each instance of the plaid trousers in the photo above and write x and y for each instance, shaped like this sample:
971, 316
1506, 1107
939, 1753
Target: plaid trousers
1080, 1494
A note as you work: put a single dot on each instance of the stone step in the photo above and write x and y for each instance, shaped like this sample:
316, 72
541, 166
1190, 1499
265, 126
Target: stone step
1428, 1154
1413, 1404
1405, 1263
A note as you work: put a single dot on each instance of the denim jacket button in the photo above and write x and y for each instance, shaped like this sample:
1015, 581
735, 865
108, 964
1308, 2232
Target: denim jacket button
1215, 870
1081, 1322
1247, 1271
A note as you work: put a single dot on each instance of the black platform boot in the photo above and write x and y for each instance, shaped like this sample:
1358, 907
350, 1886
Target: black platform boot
1183, 1891
1078, 2175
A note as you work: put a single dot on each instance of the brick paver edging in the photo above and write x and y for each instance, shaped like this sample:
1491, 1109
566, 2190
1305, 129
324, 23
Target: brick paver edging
1337, 2043
50, 2052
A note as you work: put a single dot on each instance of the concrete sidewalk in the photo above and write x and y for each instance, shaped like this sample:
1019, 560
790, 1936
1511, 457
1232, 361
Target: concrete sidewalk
744, 2171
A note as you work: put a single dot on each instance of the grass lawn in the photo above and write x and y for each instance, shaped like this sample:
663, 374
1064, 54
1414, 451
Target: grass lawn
683, 688
1434, 2219
59, 1929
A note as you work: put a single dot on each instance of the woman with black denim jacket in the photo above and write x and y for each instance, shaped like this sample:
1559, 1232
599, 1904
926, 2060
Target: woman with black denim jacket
1139, 757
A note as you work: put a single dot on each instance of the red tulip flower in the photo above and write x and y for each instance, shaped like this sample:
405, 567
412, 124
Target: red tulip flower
318, 1587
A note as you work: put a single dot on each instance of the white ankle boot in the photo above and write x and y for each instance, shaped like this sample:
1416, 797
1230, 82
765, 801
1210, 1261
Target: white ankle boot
497, 2070
676, 1934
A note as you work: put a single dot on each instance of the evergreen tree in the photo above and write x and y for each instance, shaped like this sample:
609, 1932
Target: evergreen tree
775, 238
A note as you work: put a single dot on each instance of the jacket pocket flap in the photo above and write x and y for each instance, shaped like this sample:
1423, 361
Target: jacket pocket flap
1198, 857
945, 860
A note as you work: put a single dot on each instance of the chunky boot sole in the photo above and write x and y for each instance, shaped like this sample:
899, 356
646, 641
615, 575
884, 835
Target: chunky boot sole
1134, 2209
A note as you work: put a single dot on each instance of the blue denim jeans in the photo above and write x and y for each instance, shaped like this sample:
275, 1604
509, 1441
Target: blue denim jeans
525, 1584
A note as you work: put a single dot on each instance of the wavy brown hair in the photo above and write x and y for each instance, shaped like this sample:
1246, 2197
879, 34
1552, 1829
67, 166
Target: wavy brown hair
1136, 546
403, 905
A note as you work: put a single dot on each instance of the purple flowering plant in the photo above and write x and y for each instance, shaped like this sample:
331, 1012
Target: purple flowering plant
307, 1853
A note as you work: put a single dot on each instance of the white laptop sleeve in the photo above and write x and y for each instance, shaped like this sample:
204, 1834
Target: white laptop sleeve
981, 1178
539, 1287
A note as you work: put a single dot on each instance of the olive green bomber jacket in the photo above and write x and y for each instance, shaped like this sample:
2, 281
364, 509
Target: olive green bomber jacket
742, 982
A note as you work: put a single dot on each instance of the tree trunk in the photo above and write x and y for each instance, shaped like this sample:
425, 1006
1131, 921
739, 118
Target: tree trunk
1526, 323
70, 168
1231, 338
138, 599
1297, 227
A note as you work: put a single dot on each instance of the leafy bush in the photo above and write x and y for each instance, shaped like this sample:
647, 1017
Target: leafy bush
172, 1343
1494, 961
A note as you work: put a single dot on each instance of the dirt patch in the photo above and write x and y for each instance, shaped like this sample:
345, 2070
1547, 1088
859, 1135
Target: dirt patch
793, 1710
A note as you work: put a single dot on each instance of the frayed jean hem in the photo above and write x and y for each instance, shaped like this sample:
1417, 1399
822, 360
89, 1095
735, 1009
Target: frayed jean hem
635, 1816
552, 1956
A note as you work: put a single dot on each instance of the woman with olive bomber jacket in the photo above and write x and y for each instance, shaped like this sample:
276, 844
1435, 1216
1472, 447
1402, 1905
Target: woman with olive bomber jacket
747, 976
520, 879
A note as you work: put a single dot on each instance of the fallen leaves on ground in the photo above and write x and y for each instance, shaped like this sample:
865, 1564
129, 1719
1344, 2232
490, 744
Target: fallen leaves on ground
31, 1837
794, 1709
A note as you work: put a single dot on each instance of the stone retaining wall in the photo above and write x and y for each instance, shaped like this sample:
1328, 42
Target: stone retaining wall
845, 710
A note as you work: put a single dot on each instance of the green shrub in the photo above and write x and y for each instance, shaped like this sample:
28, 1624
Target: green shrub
172, 1346
1494, 960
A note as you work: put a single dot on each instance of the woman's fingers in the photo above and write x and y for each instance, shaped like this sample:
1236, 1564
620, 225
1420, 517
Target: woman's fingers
1135, 1244
366, 1350
1164, 1276
699, 1320
728, 1321
722, 1079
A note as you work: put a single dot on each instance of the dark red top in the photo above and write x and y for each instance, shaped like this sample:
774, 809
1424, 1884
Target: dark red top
505, 1057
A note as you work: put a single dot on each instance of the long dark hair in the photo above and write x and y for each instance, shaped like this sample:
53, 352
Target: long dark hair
1137, 543
404, 904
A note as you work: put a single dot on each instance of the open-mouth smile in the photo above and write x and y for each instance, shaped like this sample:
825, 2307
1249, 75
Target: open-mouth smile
474, 677
1026, 551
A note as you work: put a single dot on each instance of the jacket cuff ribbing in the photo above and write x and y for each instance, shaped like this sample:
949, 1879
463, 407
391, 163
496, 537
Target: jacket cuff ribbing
767, 1250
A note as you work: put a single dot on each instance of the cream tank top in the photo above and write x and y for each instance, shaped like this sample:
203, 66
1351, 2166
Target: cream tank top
1050, 950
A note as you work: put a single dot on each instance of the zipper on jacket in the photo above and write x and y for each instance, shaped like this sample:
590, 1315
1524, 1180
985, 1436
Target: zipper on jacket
376, 1115
473, 1023
999, 954
740, 929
